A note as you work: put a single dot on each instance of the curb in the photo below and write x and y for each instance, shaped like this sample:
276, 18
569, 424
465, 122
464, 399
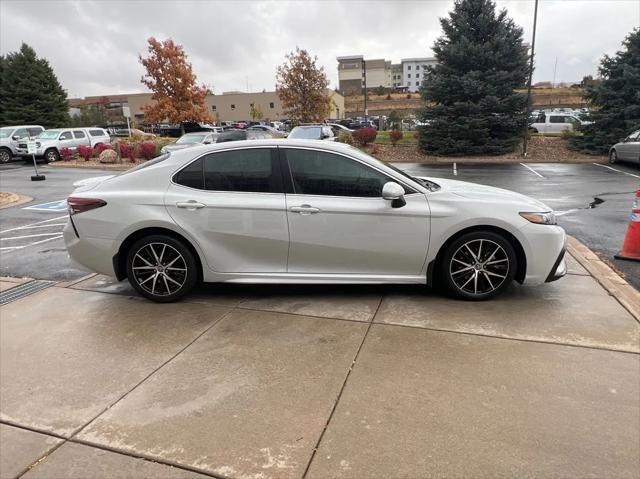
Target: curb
19, 200
617, 287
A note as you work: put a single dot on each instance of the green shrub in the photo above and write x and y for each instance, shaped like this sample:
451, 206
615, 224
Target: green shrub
345, 137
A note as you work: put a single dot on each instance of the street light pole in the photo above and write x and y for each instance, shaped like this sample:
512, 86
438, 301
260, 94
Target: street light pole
533, 46
364, 69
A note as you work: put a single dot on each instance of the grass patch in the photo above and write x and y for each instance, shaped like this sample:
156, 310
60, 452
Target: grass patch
382, 138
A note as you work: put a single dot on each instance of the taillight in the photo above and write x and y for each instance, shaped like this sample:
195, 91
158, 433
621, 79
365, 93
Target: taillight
80, 205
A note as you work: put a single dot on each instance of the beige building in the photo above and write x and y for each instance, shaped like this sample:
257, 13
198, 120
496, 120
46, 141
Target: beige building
228, 106
351, 74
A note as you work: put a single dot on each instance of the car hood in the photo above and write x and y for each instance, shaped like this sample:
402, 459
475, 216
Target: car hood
488, 194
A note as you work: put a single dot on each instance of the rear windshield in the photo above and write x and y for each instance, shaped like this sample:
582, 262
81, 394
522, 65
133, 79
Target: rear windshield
306, 133
189, 139
155, 161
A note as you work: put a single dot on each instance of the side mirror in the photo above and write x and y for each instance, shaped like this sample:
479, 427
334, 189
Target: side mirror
207, 142
15, 137
393, 192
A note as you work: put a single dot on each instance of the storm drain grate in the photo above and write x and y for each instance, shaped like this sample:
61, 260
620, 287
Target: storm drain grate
23, 290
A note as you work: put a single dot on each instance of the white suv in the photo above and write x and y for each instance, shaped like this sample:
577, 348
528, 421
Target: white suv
10, 137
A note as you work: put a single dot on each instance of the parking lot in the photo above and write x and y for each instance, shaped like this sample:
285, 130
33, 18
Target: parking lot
266, 381
593, 202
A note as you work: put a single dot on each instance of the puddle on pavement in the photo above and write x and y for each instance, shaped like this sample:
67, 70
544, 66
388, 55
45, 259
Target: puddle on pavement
596, 201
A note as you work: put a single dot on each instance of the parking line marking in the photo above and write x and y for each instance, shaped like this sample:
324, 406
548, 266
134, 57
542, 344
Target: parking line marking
615, 169
455, 169
32, 227
30, 236
33, 224
532, 170
7, 248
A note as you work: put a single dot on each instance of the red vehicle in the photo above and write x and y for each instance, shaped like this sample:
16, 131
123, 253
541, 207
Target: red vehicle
240, 125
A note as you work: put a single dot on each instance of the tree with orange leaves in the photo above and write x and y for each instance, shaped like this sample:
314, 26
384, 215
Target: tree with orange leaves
171, 79
302, 87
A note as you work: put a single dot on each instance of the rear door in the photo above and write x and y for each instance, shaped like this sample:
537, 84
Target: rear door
340, 224
232, 203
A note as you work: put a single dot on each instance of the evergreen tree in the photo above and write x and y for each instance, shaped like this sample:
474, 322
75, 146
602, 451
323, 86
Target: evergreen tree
615, 101
471, 104
30, 92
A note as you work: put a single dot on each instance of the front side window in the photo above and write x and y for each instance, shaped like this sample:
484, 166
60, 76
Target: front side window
635, 136
65, 135
21, 133
327, 174
79, 134
556, 119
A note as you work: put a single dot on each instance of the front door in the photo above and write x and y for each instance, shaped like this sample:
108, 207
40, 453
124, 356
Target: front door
232, 203
630, 149
340, 224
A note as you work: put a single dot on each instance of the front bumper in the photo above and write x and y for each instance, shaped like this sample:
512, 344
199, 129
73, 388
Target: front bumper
559, 268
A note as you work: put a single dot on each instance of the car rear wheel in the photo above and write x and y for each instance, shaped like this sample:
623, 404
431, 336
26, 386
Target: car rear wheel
51, 155
5, 155
161, 268
478, 265
613, 157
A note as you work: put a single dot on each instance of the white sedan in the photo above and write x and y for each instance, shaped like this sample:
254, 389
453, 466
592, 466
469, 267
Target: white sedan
305, 212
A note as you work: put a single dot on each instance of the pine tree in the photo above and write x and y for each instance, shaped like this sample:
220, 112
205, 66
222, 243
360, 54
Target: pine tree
615, 101
30, 92
471, 104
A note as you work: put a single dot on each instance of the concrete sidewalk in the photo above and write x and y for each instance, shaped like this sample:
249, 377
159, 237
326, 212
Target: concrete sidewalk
245, 381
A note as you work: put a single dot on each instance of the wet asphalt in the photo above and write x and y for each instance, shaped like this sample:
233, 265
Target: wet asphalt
593, 203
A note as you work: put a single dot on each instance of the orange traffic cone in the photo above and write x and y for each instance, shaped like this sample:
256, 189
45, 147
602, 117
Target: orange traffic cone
631, 246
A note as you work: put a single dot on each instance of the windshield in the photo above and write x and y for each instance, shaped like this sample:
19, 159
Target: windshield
306, 133
5, 132
49, 135
190, 139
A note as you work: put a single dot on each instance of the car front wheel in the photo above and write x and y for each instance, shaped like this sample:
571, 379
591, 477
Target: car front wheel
51, 155
613, 157
478, 265
5, 155
161, 268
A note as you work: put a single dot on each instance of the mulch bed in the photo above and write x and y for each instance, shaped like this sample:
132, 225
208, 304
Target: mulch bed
95, 164
541, 149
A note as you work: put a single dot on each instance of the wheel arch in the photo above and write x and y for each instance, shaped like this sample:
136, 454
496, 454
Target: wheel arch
521, 257
120, 258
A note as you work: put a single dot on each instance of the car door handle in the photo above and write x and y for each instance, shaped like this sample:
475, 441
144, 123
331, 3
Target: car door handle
190, 205
305, 209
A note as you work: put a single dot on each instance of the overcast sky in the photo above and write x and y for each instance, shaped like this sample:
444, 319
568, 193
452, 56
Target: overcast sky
93, 46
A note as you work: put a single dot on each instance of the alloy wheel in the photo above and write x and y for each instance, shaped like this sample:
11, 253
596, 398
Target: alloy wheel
479, 267
5, 156
51, 156
613, 157
159, 269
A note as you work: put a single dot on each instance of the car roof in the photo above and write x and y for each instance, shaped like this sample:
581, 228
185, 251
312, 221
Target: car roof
23, 126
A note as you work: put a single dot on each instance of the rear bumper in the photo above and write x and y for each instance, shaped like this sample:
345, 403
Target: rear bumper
92, 253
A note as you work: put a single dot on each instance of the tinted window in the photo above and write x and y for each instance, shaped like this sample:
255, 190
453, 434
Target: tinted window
322, 173
97, 133
34, 131
556, 119
191, 175
21, 133
251, 170
79, 134
65, 135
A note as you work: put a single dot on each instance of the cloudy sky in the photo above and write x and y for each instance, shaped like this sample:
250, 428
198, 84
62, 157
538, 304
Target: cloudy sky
93, 46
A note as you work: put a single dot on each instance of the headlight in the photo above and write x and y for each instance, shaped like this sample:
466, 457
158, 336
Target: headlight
547, 218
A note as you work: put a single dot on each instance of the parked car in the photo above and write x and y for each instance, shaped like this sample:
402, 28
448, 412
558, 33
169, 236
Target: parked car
338, 128
300, 211
627, 149
555, 123
50, 142
274, 132
189, 140
98, 136
126, 132
10, 137
312, 132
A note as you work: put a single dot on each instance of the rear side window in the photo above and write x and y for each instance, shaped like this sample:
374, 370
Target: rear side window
35, 131
253, 170
97, 133
250, 170
556, 119
79, 134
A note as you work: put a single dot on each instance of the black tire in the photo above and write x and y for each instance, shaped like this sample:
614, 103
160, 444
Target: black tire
5, 155
465, 277
163, 288
51, 155
613, 157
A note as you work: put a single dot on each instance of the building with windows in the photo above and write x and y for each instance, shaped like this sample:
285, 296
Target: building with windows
406, 75
228, 106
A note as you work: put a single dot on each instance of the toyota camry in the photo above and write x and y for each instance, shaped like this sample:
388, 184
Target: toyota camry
304, 211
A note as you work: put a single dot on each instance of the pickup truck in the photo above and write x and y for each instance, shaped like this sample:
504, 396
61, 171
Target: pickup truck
10, 137
50, 142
